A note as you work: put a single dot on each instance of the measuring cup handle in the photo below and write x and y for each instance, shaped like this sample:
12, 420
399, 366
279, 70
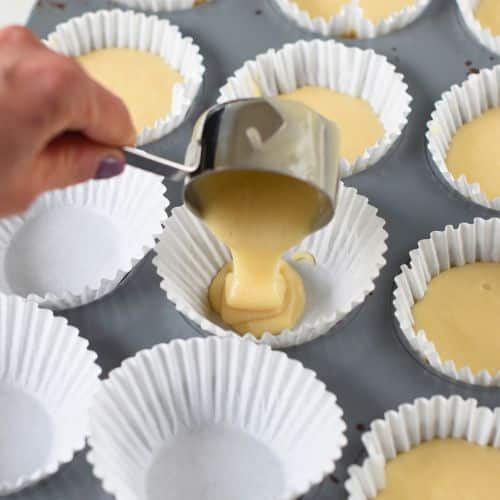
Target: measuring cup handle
160, 161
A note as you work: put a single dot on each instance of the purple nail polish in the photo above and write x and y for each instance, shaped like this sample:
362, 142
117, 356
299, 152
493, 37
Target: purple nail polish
109, 167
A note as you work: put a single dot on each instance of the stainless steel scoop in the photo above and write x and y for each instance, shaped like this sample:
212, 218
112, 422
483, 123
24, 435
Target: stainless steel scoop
265, 134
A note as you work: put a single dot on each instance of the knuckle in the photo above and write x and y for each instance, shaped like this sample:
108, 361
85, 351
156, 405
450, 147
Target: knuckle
15, 35
60, 76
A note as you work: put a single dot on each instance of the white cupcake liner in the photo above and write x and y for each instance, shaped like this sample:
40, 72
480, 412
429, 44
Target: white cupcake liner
74, 245
458, 106
482, 35
48, 378
453, 247
213, 418
159, 5
350, 21
426, 419
116, 28
349, 256
353, 71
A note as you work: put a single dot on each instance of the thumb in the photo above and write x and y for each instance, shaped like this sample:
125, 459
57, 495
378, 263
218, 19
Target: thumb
73, 158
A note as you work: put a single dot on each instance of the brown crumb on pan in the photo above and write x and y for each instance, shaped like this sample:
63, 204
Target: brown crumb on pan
57, 5
472, 71
468, 63
361, 427
350, 34
258, 12
334, 479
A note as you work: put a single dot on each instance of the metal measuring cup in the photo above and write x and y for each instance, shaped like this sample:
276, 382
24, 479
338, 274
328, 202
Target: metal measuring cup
265, 134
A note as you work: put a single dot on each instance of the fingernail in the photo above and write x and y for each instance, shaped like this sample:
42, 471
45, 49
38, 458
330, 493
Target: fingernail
109, 167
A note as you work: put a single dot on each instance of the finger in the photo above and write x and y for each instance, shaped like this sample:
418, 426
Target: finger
73, 158
108, 120
60, 96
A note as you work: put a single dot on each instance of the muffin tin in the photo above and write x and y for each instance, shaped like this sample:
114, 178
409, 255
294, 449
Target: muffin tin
365, 360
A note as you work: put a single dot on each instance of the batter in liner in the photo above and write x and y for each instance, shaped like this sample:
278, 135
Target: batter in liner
444, 469
459, 313
359, 125
144, 81
258, 215
488, 15
475, 152
375, 10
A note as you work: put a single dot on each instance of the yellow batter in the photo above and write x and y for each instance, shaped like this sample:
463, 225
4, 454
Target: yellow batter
359, 125
143, 80
460, 314
444, 469
375, 10
258, 216
475, 152
488, 15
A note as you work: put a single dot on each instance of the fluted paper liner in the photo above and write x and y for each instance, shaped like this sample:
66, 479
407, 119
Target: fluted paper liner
46, 367
458, 106
453, 247
161, 5
116, 28
353, 71
351, 22
75, 245
426, 419
237, 395
483, 35
349, 256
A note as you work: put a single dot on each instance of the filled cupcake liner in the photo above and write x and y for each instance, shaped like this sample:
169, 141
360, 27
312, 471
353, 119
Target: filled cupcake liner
160, 5
45, 360
351, 22
349, 254
350, 70
132, 205
160, 396
458, 106
412, 424
116, 28
484, 36
453, 247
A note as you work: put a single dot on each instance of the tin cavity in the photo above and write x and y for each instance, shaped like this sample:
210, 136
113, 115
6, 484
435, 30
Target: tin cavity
63, 249
215, 462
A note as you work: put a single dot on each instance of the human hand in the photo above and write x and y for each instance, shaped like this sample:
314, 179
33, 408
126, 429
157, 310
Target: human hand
57, 126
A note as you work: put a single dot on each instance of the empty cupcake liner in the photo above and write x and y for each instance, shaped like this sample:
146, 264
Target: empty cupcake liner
458, 106
48, 378
161, 5
116, 28
74, 245
482, 35
212, 418
351, 22
348, 252
453, 247
424, 420
353, 71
